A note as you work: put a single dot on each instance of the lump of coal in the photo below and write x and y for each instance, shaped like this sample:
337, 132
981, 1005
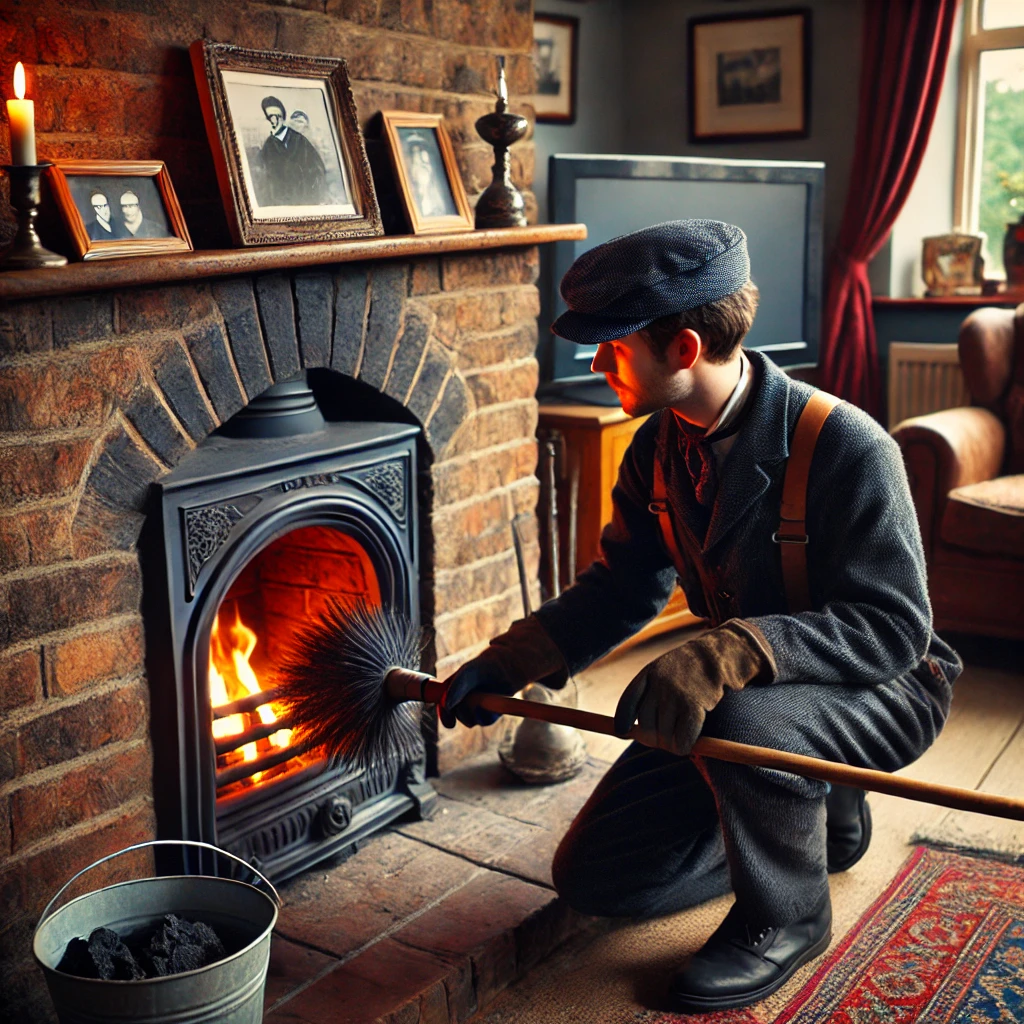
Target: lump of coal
179, 945
104, 956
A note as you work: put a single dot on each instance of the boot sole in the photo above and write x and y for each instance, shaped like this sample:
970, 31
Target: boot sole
708, 1004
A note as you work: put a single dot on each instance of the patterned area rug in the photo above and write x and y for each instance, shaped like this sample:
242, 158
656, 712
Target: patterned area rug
944, 944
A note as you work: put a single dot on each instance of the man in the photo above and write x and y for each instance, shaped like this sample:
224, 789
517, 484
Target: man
100, 229
135, 224
295, 174
859, 678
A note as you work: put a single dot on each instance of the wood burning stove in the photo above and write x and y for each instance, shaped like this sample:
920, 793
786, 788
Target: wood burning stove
259, 527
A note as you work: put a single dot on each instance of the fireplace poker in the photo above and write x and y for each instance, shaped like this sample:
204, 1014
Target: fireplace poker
351, 677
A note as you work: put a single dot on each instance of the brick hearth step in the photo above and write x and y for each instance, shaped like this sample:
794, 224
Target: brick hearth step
428, 922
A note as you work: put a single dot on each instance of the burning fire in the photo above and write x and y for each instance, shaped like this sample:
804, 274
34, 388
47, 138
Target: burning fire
231, 678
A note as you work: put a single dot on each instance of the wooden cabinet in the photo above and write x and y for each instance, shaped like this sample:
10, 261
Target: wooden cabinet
598, 436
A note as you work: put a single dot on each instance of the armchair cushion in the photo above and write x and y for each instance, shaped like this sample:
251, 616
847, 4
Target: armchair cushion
987, 516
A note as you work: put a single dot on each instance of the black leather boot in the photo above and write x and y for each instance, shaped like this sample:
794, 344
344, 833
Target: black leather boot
848, 827
742, 963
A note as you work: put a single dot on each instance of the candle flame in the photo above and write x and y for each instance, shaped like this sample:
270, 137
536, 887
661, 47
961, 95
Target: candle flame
19, 80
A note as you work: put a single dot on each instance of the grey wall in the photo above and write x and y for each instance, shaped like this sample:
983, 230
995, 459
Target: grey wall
655, 40
600, 96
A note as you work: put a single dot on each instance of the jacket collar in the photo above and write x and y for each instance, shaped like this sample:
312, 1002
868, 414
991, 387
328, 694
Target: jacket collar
762, 443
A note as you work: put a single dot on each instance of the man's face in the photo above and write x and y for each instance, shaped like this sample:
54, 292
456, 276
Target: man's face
643, 382
130, 208
276, 118
101, 207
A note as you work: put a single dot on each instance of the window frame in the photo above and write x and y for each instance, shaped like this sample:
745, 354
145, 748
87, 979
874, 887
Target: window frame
976, 40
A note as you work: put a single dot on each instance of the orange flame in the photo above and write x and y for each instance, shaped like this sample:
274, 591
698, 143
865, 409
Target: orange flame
19, 80
233, 677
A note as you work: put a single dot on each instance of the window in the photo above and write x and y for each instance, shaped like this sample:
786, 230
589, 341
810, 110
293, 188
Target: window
990, 164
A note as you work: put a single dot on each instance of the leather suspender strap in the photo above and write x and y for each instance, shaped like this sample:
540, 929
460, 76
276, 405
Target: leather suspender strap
791, 535
659, 506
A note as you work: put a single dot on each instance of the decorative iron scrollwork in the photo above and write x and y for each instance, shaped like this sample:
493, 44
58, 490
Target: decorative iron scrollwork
206, 529
387, 481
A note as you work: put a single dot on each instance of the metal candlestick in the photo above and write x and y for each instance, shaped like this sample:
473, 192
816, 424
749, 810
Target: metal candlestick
26, 252
501, 205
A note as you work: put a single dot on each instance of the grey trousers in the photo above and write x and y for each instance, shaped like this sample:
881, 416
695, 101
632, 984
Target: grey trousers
661, 833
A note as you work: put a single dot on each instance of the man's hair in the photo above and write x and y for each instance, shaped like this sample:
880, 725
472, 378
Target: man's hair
129, 192
721, 324
272, 101
97, 193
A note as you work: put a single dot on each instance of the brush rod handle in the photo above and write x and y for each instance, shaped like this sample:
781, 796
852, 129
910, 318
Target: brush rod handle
765, 757
405, 685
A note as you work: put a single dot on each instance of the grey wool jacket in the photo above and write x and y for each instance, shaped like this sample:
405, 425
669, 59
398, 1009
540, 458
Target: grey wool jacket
870, 620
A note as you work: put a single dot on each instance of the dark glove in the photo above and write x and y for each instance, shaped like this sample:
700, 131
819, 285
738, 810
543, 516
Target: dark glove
524, 654
670, 697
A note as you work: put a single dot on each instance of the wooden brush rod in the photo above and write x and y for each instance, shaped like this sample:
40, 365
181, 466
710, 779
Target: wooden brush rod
406, 685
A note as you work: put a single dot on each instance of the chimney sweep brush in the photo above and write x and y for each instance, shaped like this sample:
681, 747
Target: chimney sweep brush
350, 676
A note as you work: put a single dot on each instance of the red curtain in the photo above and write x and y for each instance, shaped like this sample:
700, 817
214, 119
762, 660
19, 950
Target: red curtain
905, 47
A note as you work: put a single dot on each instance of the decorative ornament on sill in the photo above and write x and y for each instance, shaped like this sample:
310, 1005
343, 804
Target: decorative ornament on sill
26, 252
1013, 240
501, 205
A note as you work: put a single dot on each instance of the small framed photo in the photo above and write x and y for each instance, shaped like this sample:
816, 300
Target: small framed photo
118, 208
748, 76
952, 264
428, 177
554, 58
290, 158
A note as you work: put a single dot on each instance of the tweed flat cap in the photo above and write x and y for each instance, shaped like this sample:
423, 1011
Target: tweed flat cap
629, 282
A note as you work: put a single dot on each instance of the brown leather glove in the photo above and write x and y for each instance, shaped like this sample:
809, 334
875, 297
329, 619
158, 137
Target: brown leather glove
670, 697
523, 654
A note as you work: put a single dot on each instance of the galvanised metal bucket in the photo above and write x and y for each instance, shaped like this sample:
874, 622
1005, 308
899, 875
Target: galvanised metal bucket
229, 991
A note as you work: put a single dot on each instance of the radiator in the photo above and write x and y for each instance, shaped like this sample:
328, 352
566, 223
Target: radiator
922, 379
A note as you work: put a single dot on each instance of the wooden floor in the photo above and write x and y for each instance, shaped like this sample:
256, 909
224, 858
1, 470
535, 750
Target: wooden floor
616, 971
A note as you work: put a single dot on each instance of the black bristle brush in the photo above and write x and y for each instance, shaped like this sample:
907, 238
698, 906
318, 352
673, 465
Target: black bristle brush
335, 683
351, 674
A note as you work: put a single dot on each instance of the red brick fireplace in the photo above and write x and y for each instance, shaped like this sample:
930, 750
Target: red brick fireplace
104, 390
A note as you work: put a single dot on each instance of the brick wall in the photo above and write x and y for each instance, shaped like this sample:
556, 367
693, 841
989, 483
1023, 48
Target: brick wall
100, 395
111, 79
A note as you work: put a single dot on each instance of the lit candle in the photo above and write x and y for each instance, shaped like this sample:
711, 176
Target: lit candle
21, 115
502, 87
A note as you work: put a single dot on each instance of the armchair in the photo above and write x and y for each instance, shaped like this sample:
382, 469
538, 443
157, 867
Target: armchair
966, 469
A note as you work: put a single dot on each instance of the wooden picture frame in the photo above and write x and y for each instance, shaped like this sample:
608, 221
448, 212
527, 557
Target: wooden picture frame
749, 76
555, 58
89, 196
286, 144
429, 182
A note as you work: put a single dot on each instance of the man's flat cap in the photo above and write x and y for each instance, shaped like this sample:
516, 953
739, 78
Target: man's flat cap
623, 285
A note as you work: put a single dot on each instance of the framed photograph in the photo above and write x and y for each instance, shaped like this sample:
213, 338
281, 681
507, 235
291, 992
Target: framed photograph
554, 57
428, 177
118, 208
286, 144
748, 76
952, 264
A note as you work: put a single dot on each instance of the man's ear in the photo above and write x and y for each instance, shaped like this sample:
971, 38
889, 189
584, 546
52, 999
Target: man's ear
687, 346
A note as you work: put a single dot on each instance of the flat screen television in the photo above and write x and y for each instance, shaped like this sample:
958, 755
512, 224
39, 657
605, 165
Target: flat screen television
778, 203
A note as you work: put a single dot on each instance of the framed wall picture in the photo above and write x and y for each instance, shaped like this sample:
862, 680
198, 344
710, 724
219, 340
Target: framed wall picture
748, 76
428, 177
118, 208
554, 58
286, 144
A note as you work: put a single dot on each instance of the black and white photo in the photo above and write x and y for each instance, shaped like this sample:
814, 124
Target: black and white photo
554, 59
286, 143
748, 76
119, 208
426, 172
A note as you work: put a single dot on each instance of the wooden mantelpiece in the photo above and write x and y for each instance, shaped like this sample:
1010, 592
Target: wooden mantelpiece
102, 275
